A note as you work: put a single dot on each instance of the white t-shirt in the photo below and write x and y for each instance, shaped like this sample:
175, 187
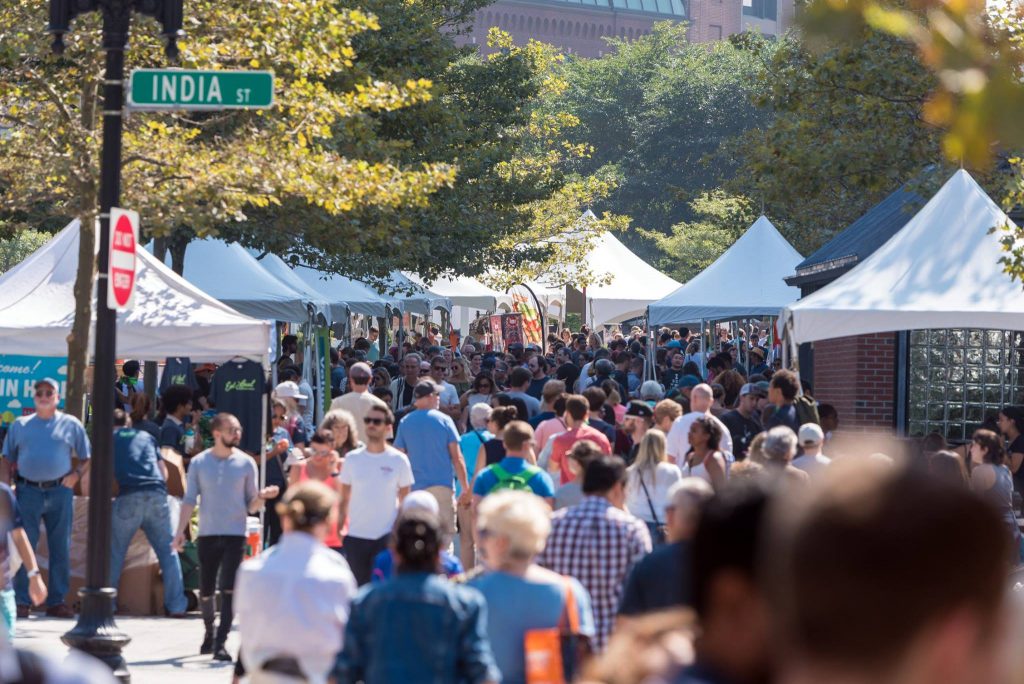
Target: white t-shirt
449, 395
812, 465
665, 475
678, 439
375, 479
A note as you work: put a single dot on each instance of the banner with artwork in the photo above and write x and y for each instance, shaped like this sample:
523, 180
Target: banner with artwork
18, 376
526, 303
512, 329
496, 338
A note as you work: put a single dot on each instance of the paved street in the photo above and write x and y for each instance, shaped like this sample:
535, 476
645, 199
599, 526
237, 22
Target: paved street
161, 651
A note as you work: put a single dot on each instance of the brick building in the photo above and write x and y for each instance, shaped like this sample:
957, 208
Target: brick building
580, 27
914, 381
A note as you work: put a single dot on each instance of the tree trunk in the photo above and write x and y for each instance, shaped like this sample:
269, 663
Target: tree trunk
78, 340
177, 249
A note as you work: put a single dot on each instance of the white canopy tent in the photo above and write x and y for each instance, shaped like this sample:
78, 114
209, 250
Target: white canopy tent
229, 273
941, 270
633, 286
276, 266
171, 316
416, 298
747, 280
463, 291
338, 290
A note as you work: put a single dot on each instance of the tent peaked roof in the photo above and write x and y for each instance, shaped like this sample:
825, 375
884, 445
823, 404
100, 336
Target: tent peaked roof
171, 316
277, 267
229, 273
634, 284
463, 291
942, 270
359, 297
747, 280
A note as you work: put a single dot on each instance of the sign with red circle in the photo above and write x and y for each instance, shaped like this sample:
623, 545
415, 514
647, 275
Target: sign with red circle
124, 235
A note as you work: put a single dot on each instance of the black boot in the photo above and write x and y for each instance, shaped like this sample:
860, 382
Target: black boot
207, 647
207, 606
220, 653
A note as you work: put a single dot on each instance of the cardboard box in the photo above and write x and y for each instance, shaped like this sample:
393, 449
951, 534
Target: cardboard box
140, 591
175, 472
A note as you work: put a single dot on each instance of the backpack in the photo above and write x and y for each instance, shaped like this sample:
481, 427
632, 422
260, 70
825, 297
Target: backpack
807, 410
519, 482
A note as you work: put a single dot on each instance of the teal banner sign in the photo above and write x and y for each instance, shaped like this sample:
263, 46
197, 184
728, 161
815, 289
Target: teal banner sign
18, 375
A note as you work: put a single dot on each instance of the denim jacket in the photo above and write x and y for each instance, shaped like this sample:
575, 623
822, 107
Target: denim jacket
417, 628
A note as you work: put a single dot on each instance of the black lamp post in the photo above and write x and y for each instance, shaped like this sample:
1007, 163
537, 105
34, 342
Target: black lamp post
96, 633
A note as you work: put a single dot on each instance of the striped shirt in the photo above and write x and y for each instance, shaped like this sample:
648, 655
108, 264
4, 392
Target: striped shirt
598, 544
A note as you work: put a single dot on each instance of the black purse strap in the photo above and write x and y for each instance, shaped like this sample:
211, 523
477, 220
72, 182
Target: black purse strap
650, 504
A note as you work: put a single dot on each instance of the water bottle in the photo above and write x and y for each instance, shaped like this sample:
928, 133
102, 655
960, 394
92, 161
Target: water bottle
190, 439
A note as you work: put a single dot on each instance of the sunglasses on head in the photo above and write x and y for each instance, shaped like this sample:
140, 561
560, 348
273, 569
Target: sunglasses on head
373, 421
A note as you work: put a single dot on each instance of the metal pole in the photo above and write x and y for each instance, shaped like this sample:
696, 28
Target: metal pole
96, 633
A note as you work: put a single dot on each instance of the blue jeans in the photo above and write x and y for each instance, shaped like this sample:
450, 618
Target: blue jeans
148, 510
55, 508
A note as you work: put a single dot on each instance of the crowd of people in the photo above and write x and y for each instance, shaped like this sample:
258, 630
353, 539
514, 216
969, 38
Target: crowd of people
617, 508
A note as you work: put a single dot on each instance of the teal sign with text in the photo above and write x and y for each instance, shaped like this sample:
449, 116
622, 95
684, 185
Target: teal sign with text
18, 376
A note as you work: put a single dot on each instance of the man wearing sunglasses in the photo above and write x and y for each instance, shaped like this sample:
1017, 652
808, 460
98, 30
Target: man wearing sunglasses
50, 451
374, 481
225, 478
440, 367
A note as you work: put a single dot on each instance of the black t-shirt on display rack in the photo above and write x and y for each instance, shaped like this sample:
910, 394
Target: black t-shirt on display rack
178, 371
238, 388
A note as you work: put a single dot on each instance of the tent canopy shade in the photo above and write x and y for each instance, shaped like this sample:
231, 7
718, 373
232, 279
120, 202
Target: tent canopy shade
942, 270
276, 266
171, 316
229, 273
463, 291
747, 280
416, 298
359, 297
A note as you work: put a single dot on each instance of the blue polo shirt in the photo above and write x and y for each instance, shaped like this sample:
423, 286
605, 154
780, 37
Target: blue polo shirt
136, 462
43, 448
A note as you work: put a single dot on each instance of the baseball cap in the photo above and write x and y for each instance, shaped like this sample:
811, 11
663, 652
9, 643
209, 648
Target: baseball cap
752, 388
54, 385
289, 389
420, 501
640, 409
673, 344
688, 381
763, 386
424, 388
811, 433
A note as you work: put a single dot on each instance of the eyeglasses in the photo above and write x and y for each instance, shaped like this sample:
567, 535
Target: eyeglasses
439, 368
423, 371
321, 452
45, 393
374, 421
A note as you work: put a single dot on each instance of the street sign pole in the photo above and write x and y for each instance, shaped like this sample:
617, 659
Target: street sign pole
96, 632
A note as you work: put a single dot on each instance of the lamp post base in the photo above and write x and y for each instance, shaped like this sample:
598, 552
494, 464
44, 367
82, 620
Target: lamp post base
97, 634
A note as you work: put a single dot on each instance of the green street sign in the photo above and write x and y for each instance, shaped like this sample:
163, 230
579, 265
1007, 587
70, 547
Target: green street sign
189, 89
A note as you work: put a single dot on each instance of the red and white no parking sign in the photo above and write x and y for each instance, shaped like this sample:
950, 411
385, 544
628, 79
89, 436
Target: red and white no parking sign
124, 234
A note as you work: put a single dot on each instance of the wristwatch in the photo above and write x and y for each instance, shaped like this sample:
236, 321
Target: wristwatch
33, 573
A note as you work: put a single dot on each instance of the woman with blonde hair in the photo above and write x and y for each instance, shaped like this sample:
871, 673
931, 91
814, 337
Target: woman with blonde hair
513, 527
342, 426
648, 482
297, 588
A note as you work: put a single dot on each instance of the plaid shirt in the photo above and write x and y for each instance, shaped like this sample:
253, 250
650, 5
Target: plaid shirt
598, 544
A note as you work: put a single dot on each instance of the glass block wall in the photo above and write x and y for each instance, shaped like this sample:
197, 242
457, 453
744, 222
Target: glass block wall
958, 377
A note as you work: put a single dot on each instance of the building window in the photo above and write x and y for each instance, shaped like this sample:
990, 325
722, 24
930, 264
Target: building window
762, 9
714, 32
957, 378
